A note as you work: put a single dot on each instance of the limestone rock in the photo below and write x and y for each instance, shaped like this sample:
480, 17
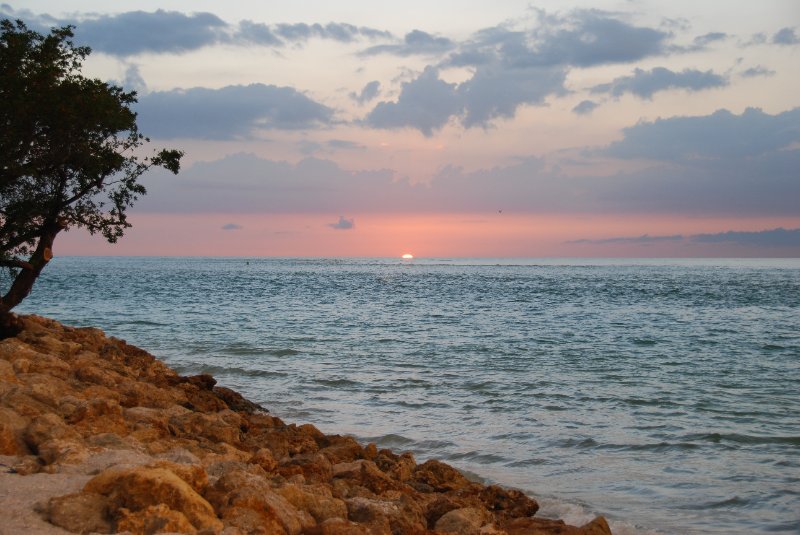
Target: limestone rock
435, 476
154, 519
12, 426
138, 488
465, 521
165, 453
82, 512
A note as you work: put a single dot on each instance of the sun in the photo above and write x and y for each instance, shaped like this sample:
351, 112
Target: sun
407, 256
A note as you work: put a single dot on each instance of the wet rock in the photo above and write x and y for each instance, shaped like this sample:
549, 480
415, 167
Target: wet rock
508, 502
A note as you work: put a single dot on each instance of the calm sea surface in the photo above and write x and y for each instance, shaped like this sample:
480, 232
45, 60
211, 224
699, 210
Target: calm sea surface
662, 394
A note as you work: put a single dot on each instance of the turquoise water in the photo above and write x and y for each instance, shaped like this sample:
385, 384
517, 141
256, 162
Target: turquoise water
662, 394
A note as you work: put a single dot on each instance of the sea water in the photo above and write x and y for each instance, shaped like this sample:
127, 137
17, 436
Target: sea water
664, 394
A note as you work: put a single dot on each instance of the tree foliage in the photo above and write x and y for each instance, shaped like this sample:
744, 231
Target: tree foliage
70, 152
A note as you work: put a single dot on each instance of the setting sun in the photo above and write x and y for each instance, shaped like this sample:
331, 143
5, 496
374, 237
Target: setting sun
408, 256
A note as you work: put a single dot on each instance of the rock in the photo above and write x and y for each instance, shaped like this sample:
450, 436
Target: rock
316, 499
543, 526
465, 521
62, 451
264, 459
82, 512
312, 466
177, 454
12, 426
46, 427
367, 474
138, 488
154, 519
509, 502
435, 476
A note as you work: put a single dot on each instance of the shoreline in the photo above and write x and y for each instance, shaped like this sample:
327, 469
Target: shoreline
97, 435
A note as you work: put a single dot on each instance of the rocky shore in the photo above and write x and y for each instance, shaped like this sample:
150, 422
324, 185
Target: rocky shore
98, 436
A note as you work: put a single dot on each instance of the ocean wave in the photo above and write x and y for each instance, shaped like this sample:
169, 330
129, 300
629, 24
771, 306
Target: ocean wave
743, 439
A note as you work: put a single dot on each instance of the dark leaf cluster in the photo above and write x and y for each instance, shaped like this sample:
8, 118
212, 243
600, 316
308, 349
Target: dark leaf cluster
70, 151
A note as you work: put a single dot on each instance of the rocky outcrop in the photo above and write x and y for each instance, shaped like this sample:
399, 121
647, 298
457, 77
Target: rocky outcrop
147, 451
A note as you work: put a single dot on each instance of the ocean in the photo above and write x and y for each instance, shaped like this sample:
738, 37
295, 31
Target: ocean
663, 394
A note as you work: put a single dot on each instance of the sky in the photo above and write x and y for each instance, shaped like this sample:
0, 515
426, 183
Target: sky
632, 128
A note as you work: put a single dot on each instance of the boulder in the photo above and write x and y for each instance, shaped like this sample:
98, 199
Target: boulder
436, 476
465, 521
81, 512
140, 487
154, 519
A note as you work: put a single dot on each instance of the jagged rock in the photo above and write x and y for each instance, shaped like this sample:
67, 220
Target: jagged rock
367, 474
543, 526
185, 455
46, 427
509, 502
140, 487
435, 476
62, 451
12, 426
465, 521
82, 512
154, 519
312, 466
264, 459
316, 499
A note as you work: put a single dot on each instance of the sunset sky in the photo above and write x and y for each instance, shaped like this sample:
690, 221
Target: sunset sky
455, 128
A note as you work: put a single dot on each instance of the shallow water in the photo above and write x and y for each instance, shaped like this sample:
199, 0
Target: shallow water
662, 394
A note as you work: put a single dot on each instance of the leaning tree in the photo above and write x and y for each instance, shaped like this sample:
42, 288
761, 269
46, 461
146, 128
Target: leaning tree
70, 154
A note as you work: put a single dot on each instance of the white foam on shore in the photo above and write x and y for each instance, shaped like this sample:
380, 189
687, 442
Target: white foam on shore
577, 515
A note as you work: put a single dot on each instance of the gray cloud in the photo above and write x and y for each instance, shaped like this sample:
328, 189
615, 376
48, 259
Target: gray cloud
644, 239
708, 179
585, 107
342, 32
257, 33
308, 148
592, 37
414, 43
786, 36
368, 92
512, 68
343, 224
345, 144
426, 103
704, 40
494, 91
232, 112
645, 83
754, 72
232, 226
778, 238
721, 135
136, 32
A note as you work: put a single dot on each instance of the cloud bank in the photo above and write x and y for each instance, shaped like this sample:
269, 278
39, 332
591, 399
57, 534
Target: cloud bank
231, 112
749, 167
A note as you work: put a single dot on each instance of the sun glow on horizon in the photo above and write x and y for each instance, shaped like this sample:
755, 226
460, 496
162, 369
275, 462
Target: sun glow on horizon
408, 256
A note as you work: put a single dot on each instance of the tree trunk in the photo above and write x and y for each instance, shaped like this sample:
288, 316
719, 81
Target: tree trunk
23, 283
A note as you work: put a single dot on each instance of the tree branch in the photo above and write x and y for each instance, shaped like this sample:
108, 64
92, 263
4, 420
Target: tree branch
16, 262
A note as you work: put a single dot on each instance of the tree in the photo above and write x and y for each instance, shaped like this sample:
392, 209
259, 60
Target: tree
70, 153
